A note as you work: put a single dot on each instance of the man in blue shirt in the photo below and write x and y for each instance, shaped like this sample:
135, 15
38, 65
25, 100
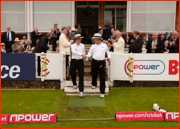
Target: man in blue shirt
3, 48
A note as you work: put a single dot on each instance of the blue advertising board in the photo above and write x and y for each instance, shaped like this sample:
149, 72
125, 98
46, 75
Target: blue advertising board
17, 66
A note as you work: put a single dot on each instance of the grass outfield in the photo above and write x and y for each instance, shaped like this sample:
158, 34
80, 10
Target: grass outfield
122, 99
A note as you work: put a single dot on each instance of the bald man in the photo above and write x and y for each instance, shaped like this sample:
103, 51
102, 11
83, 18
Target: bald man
155, 45
9, 37
118, 44
174, 43
35, 36
53, 39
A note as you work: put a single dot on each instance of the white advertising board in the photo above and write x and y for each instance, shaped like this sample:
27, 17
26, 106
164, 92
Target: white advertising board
146, 67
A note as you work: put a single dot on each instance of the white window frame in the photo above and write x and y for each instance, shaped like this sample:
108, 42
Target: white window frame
115, 7
129, 12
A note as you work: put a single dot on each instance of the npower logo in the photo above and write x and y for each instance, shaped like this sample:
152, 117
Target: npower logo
32, 118
151, 67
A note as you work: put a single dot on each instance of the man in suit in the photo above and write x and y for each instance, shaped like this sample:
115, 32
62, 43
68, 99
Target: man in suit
131, 39
174, 43
56, 30
163, 39
23, 41
53, 39
42, 45
136, 47
109, 42
144, 40
16, 47
35, 37
28, 46
9, 37
3, 48
118, 44
165, 48
106, 33
72, 33
69, 29
155, 45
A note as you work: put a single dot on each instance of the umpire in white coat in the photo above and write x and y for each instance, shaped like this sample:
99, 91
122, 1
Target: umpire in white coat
97, 51
78, 53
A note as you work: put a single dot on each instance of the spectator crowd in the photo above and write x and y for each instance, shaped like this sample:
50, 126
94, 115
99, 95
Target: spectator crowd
112, 38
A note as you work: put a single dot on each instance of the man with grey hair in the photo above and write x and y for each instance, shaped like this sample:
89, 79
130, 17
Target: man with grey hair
42, 45
174, 43
118, 44
23, 41
69, 29
136, 46
9, 37
35, 37
28, 46
154, 45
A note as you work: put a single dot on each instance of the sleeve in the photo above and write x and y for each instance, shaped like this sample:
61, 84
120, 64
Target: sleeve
64, 42
22, 49
119, 45
25, 46
34, 35
73, 51
13, 36
148, 46
138, 45
14, 48
42, 44
177, 43
89, 53
108, 53
161, 46
4, 37
84, 51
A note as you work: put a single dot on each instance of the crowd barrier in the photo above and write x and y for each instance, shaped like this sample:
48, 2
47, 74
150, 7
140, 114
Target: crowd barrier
127, 67
144, 67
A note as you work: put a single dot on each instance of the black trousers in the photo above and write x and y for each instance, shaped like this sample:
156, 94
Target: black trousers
67, 63
8, 46
98, 67
77, 65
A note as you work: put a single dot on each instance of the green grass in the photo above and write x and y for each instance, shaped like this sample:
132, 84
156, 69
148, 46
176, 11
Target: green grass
87, 101
127, 99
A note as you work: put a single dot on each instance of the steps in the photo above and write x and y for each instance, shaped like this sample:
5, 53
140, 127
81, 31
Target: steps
69, 89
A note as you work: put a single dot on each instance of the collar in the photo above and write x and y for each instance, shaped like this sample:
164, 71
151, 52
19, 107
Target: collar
155, 40
77, 45
63, 34
118, 38
137, 37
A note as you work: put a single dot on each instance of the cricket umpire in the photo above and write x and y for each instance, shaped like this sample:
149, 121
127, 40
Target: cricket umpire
78, 53
98, 51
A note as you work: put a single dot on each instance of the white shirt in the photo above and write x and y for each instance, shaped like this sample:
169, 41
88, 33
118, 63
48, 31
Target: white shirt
9, 33
77, 51
98, 51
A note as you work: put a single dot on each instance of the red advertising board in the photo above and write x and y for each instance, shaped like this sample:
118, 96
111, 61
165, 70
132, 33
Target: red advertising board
4, 119
32, 118
171, 116
139, 116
